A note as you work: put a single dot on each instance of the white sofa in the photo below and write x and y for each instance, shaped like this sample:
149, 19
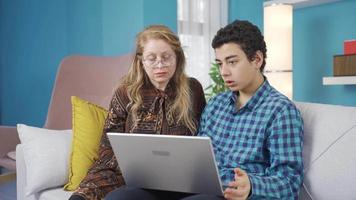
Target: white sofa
329, 156
329, 152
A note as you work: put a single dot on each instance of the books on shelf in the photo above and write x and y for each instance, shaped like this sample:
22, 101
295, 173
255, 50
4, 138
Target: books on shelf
344, 68
349, 47
345, 65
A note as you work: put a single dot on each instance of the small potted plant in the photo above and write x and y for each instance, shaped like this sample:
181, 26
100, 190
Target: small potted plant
218, 84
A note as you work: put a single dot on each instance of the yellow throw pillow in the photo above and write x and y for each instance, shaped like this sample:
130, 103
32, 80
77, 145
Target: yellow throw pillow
87, 125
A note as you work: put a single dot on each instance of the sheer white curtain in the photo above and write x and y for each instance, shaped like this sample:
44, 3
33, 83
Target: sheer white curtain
198, 22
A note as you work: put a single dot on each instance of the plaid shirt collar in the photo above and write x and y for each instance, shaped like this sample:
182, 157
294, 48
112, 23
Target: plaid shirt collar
255, 100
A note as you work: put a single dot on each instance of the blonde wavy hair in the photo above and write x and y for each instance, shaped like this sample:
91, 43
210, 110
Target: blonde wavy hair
137, 77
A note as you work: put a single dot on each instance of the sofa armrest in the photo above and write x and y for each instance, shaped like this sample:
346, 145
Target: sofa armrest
21, 175
9, 139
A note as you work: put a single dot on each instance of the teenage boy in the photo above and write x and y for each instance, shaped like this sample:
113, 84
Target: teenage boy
256, 132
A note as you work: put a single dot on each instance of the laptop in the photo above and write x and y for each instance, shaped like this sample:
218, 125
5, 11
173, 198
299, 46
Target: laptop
165, 162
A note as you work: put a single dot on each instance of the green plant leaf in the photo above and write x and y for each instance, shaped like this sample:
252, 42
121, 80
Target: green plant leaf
218, 84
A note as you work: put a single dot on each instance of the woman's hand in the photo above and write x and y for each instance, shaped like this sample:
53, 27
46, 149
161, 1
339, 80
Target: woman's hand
240, 188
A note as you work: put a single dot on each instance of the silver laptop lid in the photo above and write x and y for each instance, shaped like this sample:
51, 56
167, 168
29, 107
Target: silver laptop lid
162, 162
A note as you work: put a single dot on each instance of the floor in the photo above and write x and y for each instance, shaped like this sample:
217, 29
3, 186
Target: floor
8, 191
8, 186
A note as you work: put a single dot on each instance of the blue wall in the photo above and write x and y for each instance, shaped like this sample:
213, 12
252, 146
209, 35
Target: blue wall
1, 59
160, 12
251, 10
33, 40
121, 21
36, 35
319, 33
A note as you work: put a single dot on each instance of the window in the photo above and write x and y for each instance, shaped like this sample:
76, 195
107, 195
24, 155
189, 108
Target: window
198, 22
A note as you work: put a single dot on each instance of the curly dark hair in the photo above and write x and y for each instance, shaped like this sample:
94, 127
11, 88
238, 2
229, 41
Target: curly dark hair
245, 34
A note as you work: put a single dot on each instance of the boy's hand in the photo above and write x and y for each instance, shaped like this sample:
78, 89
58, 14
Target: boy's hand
240, 188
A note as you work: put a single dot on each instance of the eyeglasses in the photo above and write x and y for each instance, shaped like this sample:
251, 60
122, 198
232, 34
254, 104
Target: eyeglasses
152, 60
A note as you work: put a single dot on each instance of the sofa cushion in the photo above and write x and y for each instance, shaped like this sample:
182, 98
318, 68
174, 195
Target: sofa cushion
88, 123
329, 146
46, 155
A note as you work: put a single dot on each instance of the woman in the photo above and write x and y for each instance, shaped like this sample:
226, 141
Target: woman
155, 97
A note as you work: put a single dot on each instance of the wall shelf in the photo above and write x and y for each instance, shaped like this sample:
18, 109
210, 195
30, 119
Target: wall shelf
299, 3
339, 80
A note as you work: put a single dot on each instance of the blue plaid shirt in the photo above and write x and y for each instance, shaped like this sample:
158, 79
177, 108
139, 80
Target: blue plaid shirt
264, 138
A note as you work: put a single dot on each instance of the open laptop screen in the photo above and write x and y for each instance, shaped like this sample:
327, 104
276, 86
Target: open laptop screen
165, 162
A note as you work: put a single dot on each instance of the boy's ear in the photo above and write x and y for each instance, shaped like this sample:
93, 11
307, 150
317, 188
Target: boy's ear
258, 60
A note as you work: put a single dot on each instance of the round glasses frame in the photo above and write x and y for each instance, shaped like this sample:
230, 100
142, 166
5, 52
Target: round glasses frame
165, 61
